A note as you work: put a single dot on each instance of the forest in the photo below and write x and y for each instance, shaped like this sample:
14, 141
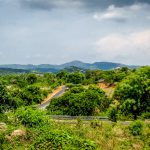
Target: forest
122, 95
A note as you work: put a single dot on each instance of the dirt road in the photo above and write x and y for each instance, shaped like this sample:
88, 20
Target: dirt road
56, 93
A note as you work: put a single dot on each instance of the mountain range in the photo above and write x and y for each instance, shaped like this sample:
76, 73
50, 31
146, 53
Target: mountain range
77, 64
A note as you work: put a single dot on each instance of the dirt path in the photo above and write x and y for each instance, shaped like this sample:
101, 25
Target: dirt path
108, 89
56, 93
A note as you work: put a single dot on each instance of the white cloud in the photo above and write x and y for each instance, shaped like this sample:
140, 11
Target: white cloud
111, 13
121, 13
133, 46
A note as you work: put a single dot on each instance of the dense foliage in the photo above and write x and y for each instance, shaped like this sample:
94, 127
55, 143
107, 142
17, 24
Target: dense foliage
5, 99
136, 128
133, 93
19, 90
80, 101
62, 140
25, 127
31, 117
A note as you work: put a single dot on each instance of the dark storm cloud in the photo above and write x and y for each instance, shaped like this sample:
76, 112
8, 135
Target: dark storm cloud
49, 4
37, 4
103, 4
88, 4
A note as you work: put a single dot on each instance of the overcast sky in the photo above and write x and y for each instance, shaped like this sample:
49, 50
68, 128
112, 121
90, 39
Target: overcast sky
58, 31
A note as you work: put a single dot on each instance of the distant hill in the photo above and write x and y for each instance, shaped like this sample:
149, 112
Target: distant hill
73, 69
4, 71
78, 64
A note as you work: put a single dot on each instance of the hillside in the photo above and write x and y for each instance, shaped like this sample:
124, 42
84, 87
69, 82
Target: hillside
4, 71
78, 64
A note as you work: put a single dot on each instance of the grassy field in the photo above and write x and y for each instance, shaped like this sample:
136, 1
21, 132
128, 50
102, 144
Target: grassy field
110, 136
104, 135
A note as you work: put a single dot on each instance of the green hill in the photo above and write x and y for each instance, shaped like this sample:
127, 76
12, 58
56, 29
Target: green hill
78, 64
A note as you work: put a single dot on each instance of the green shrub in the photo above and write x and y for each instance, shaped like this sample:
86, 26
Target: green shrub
3, 118
79, 123
145, 115
31, 78
112, 114
2, 138
61, 140
31, 117
95, 124
79, 101
136, 127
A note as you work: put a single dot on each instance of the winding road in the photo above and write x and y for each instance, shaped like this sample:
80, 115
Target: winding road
55, 94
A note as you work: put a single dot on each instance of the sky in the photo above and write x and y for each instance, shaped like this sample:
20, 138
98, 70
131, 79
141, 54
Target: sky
59, 31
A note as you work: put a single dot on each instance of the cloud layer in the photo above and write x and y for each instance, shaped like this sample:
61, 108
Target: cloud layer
91, 5
57, 31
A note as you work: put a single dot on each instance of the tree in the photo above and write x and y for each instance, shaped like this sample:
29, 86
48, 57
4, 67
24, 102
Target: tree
76, 78
50, 78
62, 75
31, 95
79, 101
133, 93
129, 107
31, 78
93, 76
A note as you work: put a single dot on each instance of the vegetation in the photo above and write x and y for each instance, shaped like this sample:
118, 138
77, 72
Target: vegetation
80, 101
133, 93
43, 133
5, 71
24, 126
20, 90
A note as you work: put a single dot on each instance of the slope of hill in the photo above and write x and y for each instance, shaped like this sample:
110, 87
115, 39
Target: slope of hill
78, 64
4, 71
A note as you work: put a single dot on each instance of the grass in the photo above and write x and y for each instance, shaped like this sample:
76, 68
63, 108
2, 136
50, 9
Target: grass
111, 136
107, 135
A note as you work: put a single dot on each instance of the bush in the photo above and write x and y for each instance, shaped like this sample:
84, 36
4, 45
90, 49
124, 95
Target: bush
95, 124
2, 138
31, 78
112, 114
79, 101
31, 117
61, 140
146, 115
32, 94
76, 78
3, 118
136, 127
